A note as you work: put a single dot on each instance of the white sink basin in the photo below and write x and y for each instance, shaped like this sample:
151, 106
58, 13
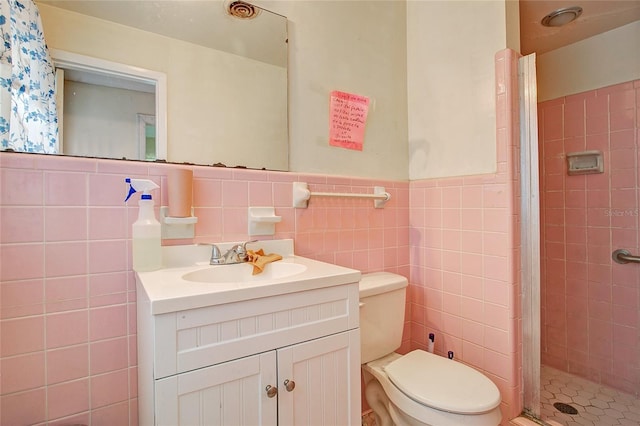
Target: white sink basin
187, 281
242, 272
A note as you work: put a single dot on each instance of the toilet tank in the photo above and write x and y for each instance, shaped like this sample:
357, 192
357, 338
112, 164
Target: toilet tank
382, 303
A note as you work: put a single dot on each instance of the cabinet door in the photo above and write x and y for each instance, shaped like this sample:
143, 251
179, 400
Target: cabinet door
326, 373
228, 394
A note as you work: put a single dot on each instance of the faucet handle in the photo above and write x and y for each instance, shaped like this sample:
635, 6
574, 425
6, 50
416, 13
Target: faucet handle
216, 256
241, 250
244, 245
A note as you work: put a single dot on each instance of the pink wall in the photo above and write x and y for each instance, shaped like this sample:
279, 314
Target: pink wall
590, 305
68, 313
465, 281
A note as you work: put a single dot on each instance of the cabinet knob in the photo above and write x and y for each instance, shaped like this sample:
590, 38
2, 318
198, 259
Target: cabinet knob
271, 391
289, 385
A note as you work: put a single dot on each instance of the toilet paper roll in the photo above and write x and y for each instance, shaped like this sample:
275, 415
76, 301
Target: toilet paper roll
180, 192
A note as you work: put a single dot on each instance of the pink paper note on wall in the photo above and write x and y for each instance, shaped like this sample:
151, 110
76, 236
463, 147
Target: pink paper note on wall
348, 117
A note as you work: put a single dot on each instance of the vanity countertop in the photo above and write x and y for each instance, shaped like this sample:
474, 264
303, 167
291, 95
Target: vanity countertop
166, 290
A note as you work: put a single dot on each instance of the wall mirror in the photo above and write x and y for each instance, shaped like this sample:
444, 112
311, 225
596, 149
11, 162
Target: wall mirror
226, 78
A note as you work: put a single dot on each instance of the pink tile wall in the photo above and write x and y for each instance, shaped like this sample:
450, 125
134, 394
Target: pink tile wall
591, 305
465, 278
67, 293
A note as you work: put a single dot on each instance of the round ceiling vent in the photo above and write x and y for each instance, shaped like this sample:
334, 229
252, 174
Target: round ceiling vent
242, 10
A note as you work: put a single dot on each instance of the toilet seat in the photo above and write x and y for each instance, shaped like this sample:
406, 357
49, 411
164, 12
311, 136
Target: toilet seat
443, 384
418, 412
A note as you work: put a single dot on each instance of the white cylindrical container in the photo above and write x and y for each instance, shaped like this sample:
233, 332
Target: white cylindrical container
147, 250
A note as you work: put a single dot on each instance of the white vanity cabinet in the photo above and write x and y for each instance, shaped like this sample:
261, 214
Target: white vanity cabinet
302, 384
289, 359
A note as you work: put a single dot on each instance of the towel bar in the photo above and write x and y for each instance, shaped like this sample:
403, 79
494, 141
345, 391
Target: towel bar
301, 195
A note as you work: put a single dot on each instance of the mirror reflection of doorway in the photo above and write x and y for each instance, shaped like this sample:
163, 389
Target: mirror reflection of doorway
100, 104
101, 114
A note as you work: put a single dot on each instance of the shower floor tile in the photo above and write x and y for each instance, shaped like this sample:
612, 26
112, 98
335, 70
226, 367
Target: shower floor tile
595, 404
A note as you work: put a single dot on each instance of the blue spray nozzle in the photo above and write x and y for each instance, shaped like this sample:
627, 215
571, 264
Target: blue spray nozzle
131, 190
432, 337
144, 185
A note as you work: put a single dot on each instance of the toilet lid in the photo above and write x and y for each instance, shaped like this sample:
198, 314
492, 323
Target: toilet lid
443, 384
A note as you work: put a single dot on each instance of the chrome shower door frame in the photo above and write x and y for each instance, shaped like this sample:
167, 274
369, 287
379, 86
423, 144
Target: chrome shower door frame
530, 234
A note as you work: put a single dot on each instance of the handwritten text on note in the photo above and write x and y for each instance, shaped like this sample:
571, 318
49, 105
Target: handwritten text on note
348, 116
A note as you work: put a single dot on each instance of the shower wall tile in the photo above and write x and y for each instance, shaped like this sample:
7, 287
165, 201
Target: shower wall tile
600, 320
553, 124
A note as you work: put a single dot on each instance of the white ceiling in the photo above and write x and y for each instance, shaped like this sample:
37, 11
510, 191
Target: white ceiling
598, 16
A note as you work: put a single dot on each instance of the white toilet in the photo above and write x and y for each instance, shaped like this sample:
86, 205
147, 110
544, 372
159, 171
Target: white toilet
418, 388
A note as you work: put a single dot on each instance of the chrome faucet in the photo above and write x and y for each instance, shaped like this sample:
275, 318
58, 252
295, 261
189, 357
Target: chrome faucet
236, 254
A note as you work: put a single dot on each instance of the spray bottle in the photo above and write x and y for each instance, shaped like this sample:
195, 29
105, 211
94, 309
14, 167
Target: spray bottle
147, 251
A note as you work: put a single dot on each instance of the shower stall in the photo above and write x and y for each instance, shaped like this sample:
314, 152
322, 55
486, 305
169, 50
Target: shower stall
580, 305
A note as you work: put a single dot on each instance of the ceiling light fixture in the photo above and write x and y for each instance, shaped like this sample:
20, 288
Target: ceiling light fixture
563, 16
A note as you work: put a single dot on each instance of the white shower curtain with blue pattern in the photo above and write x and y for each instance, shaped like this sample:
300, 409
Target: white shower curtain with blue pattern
29, 121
